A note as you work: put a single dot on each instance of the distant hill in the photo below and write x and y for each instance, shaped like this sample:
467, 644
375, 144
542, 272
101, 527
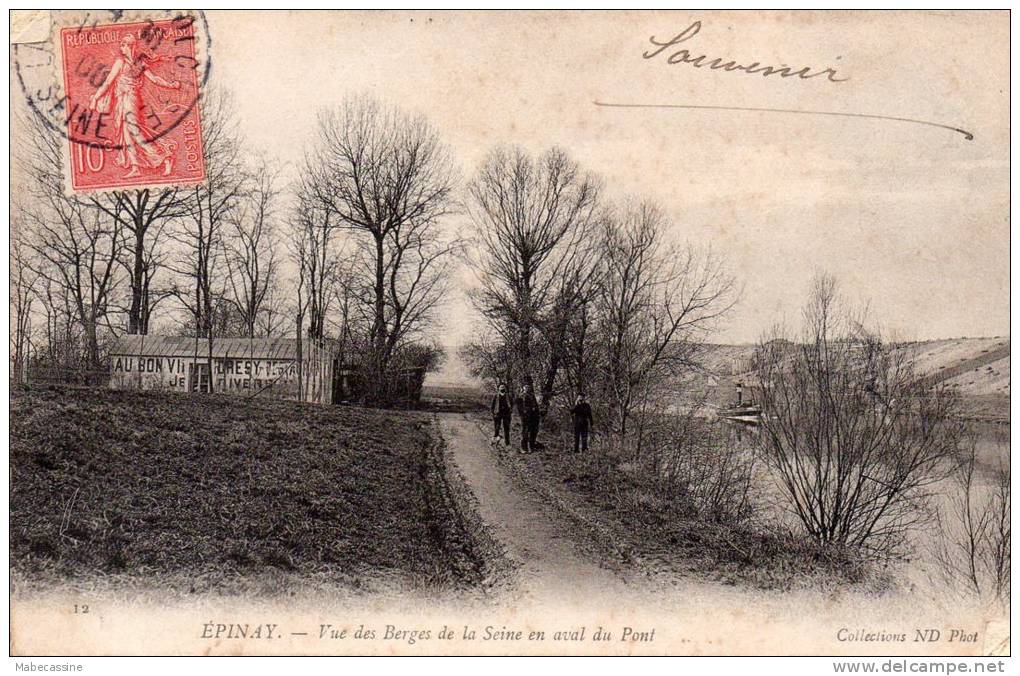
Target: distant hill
978, 367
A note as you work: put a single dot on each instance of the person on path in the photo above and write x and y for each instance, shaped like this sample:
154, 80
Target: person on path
583, 423
527, 408
502, 410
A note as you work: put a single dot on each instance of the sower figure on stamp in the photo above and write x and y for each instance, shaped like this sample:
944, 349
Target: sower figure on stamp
502, 410
583, 423
120, 95
527, 408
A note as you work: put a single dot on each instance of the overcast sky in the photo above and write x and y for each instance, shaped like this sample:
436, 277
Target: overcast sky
914, 218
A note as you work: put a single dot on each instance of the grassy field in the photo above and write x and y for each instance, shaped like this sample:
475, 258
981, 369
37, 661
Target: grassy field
216, 493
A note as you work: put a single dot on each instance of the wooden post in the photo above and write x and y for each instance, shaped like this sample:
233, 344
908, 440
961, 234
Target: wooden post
300, 378
138, 366
194, 363
251, 358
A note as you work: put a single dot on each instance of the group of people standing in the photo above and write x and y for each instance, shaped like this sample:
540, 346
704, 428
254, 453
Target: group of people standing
528, 411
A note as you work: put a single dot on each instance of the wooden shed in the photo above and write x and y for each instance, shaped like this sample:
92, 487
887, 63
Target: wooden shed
264, 367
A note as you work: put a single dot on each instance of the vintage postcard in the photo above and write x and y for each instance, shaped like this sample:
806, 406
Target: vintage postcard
510, 333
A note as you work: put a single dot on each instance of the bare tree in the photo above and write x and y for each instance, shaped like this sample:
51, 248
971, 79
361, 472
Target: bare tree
207, 212
76, 248
562, 327
311, 247
274, 315
64, 335
487, 356
854, 435
301, 251
79, 251
971, 546
352, 314
251, 247
584, 350
316, 252
656, 304
417, 276
208, 209
22, 278
385, 178
144, 215
535, 221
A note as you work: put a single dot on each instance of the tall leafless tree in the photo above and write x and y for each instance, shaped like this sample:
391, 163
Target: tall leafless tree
657, 302
308, 242
145, 216
316, 252
208, 210
76, 246
79, 250
352, 309
275, 315
62, 335
536, 221
251, 247
22, 279
386, 179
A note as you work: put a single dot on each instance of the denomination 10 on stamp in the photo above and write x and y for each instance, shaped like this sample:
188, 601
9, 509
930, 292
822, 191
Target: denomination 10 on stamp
132, 102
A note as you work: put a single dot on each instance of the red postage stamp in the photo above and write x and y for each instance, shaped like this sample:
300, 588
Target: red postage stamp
132, 104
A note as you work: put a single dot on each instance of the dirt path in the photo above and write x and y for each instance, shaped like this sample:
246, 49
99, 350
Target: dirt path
560, 575
535, 535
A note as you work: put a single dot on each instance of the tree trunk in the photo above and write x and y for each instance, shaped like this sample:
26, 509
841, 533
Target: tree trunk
549, 383
91, 335
300, 363
139, 285
379, 329
524, 350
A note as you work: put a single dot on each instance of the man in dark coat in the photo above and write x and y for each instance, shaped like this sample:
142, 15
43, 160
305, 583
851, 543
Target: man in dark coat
527, 408
502, 410
583, 422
